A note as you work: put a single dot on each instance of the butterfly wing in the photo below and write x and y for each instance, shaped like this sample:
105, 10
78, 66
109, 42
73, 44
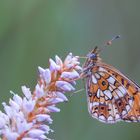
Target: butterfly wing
111, 95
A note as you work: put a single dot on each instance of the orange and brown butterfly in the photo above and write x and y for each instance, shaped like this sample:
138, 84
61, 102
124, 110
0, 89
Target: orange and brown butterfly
111, 96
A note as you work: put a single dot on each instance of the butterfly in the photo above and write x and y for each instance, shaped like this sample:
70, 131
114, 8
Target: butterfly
111, 96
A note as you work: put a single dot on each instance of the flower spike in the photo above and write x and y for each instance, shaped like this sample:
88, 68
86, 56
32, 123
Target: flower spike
28, 117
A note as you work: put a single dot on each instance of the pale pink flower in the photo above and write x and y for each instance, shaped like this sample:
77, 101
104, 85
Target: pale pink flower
28, 117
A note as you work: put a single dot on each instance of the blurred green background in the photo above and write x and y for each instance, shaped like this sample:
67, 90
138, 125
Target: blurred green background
32, 31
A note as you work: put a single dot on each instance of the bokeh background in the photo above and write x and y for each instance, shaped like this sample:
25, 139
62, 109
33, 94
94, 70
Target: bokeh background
32, 31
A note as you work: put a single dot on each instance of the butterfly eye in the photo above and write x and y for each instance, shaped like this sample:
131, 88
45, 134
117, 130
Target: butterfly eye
92, 56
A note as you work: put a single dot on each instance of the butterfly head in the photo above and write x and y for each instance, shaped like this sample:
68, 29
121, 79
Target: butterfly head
90, 62
93, 55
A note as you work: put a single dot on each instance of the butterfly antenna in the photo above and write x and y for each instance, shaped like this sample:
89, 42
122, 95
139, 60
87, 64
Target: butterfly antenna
108, 43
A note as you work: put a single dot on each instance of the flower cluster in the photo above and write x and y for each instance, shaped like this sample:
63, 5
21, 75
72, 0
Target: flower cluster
28, 117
